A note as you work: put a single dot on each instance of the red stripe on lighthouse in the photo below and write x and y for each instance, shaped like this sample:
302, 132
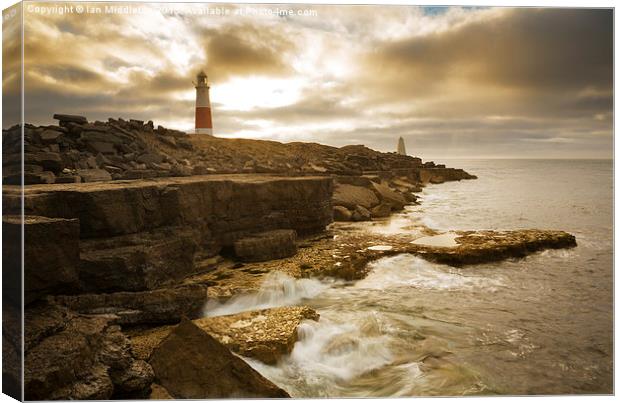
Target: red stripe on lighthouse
203, 117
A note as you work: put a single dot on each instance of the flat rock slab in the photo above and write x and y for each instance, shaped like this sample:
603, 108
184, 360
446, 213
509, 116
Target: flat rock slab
474, 247
232, 206
161, 306
265, 334
457, 248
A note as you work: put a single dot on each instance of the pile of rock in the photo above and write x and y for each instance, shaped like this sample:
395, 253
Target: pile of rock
78, 151
366, 197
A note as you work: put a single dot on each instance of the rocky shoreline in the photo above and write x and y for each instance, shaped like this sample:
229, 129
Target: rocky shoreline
131, 229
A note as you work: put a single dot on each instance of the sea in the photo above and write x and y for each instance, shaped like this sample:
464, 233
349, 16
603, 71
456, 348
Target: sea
541, 325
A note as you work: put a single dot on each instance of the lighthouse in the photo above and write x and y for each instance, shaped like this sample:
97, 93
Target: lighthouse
204, 124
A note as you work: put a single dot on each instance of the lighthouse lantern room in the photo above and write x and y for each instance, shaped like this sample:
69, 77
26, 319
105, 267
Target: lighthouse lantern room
204, 124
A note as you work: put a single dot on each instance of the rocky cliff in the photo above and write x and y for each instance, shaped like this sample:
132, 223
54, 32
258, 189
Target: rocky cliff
125, 221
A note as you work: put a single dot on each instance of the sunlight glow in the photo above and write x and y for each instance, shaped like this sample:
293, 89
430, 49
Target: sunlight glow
246, 93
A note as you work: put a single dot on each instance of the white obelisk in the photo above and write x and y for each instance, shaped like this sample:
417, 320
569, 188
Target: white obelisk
401, 147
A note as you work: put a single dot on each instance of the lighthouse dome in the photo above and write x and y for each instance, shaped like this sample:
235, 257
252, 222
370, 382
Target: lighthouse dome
201, 78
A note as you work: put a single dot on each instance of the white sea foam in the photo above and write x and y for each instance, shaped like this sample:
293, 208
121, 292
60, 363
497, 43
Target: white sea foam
380, 247
278, 289
409, 270
332, 351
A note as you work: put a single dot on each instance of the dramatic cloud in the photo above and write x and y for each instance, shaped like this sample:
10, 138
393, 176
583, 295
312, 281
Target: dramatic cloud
454, 82
11, 66
246, 50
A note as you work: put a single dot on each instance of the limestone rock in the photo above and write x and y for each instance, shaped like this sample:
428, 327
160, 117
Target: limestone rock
475, 247
342, 214
133, 381
351, 196
266, 334
94, 175
50, 136
101, 147
138, 262
158, 392
191, 364
165, 305
361, 214
150, 158
51, 254
68, 179
394, 199
382, 210
268, 245
227, 208
77, 357
141, 145
431, 174
12, 368
50, 161
70, 118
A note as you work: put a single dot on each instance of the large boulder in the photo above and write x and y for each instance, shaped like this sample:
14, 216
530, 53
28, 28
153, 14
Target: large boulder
191, 364
351, 196
268, 245
158, 392
389, 196
50, 136
342, 213
51, 254
70, 118
50, 161
361, 214
94, 175
265, 335
150, 158
77, 357
382, 210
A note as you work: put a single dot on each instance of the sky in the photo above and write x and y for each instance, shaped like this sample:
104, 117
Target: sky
453, 82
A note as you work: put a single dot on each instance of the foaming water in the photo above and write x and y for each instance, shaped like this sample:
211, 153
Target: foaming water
278, 289
330, 354
539, 325
410, 271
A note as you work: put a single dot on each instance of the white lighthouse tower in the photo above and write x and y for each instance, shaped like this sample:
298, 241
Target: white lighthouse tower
204, 123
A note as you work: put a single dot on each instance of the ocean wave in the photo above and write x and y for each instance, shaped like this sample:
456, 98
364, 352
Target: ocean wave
409, 270
278, 289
